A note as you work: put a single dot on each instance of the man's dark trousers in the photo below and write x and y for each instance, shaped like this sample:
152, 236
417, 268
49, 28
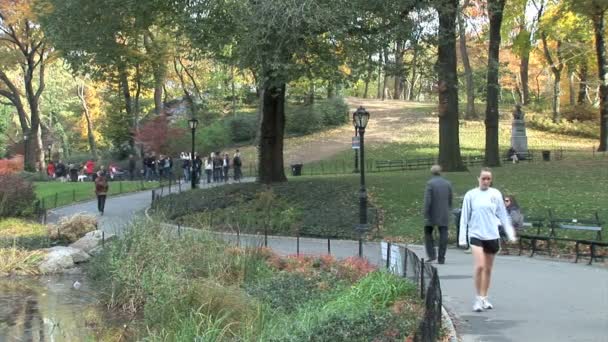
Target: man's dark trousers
429, 242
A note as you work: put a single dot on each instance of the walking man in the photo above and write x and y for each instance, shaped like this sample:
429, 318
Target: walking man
437, 204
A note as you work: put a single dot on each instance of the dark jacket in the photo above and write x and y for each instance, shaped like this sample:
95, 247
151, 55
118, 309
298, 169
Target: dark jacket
101, 185
437, 202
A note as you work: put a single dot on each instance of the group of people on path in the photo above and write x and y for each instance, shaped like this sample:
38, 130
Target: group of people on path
486, 218
216, 166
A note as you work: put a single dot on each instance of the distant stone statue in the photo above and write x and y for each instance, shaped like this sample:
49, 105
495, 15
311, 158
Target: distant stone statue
519, 140
518, 114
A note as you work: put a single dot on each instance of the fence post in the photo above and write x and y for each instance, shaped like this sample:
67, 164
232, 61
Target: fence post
298, 244
265, 236
238, 238
103, 239
74, 195
120, 186
56, 198
422, 278
179, 230
405, 262
153, 195
328, 246
388, 256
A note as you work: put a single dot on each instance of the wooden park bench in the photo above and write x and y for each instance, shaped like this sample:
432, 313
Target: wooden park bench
548, 234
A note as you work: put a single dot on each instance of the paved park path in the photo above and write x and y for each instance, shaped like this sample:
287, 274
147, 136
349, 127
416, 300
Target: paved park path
535, 299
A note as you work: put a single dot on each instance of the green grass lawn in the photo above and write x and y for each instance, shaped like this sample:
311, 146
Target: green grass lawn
57, 194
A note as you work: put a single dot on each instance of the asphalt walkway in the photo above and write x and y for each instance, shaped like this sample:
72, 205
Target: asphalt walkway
534, 299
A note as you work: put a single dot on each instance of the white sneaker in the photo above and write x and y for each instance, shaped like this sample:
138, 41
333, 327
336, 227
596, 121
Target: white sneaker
478, 304
486, 305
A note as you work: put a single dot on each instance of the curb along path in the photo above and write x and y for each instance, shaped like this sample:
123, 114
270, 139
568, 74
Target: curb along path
534, 299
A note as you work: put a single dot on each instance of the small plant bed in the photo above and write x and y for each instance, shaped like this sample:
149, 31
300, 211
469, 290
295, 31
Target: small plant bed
309, 207
197, 288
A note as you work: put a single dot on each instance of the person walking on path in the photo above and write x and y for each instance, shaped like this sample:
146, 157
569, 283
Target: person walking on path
483, 210
101, 190
236, 164
437, 204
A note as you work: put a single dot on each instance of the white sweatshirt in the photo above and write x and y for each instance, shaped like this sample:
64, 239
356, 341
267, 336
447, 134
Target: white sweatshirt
482, 212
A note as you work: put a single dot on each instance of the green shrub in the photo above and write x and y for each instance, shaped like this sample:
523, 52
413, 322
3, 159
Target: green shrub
334, 112
213, 137
243, 128
302, 120
366, 325
286, 291
580, 129
581, 113
320, 208
16, 196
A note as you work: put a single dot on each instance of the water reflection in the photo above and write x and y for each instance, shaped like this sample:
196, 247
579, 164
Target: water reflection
47, 309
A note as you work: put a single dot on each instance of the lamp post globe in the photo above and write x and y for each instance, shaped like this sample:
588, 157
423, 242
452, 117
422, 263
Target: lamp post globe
360, 119
193, 123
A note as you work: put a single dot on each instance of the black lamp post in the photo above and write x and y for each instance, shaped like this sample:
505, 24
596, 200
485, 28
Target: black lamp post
49, 147
193, 123
360, 118
356, 170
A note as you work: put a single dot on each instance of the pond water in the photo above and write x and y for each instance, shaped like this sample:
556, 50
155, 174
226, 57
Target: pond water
49, 308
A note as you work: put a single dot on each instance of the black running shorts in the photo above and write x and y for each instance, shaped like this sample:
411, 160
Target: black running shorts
489, 246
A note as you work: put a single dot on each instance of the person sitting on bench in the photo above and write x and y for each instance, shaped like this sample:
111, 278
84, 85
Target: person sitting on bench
517, 218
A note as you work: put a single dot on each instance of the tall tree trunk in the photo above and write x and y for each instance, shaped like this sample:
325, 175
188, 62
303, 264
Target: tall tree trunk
468, 71
379, 94
182, 81
384, 83
556, 69
398, 70
310, 97
271, 133
233, 89
449, 143
36, 152
414, 77
600, 51
87, 115
571, 90
159, 69
331, 90
368, 76
492, 155
583, 88
524, 63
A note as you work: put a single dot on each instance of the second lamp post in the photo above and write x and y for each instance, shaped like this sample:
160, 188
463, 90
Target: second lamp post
193, 123
360, 118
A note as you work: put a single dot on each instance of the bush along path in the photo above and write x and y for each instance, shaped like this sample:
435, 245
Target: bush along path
533, 297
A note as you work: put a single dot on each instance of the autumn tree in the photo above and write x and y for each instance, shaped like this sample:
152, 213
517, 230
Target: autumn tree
492, 153
596, 11
24, 55
447, 86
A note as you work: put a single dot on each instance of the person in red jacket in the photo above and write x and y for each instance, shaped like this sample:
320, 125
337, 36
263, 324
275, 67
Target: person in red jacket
50, 169
89, 169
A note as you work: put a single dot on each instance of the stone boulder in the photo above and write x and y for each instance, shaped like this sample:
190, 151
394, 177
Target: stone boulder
59, 259
91, 241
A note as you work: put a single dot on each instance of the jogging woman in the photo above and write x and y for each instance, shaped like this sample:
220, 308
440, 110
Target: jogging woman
483, 210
